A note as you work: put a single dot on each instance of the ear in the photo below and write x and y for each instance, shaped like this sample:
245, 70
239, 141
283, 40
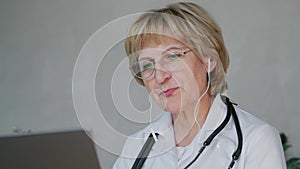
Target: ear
211, 60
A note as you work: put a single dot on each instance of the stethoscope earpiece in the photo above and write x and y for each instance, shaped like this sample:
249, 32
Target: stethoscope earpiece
208, 66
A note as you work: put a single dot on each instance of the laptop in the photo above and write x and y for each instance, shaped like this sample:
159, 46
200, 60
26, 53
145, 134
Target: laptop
59, 150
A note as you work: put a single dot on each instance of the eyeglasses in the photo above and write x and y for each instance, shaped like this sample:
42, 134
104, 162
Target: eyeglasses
171, 61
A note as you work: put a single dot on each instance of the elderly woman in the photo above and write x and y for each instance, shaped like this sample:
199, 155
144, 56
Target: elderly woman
178, 54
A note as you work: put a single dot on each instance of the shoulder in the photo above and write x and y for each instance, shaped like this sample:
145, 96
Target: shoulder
253, 126
257, 132
249, 121
262, 145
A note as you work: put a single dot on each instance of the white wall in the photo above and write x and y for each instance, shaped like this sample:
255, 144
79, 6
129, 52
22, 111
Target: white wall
40, 41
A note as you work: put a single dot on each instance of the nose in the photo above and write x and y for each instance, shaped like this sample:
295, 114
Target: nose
161, 75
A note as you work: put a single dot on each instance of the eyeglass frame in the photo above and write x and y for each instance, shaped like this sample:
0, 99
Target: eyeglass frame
136, 66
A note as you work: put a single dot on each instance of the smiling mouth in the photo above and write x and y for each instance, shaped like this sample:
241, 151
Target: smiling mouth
169, 92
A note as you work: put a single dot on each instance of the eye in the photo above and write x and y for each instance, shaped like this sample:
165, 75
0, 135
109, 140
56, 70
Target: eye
146, 65
173, 57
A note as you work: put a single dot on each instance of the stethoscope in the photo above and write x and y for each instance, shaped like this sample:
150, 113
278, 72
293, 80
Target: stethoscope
140, 160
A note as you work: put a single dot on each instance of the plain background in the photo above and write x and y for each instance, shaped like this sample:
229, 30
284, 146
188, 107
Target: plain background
41, 39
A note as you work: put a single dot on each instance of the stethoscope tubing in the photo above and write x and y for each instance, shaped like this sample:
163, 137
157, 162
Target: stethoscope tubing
140, 160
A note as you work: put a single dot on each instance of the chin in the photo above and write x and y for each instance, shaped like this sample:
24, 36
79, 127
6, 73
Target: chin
173, 109
174, 104
169, 104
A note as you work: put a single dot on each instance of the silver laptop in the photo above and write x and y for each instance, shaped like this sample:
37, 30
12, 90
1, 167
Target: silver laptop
60, 150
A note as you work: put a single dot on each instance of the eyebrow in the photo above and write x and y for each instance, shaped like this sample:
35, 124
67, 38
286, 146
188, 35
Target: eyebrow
146, 58
172, 48
164, 52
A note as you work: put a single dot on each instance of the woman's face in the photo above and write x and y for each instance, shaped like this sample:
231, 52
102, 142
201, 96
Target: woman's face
178, 88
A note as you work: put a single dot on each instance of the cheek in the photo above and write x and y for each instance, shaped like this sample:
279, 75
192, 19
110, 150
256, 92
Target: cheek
192, 82
150, 86
153, 90
188, 81
199, 74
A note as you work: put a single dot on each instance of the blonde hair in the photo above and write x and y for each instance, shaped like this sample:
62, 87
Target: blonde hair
188, 23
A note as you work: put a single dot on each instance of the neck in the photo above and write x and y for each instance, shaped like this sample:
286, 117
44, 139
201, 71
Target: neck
185, 126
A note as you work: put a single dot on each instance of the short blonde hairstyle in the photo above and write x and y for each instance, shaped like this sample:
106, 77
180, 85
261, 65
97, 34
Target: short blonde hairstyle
188, 23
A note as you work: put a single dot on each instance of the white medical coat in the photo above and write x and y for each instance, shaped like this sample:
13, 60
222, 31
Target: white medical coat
262, 147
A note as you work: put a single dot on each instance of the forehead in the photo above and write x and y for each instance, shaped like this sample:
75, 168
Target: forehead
158, 41
157, 45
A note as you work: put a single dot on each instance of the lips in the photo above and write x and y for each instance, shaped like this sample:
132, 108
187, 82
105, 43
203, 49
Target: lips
169, 92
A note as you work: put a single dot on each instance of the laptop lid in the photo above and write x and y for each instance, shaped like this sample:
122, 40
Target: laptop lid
60, 150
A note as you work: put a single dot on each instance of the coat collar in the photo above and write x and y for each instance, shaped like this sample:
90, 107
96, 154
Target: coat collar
164, 126
214, 118
215, 115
